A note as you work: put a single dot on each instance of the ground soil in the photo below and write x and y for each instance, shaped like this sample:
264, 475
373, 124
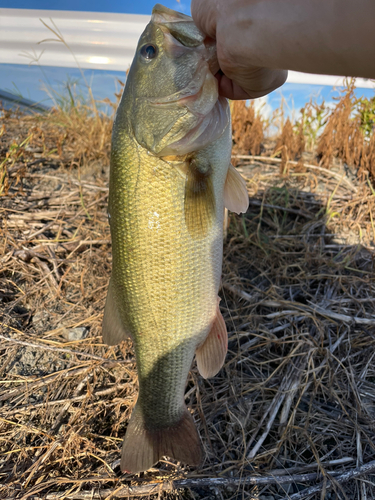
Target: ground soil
293, 406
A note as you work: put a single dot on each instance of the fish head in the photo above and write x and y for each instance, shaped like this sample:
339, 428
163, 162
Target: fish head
174, 103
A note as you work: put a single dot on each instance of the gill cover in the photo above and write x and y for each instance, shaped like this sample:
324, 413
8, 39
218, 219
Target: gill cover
176, 107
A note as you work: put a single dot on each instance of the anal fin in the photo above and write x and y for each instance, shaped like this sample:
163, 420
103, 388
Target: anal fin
144, 447
236, 197
211, 354
113, 329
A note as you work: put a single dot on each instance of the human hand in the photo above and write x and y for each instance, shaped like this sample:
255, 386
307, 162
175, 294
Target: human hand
239, 78
256, 37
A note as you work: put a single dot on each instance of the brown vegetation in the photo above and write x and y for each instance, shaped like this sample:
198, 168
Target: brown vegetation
290, 144
291, 414
248, 128
344, 132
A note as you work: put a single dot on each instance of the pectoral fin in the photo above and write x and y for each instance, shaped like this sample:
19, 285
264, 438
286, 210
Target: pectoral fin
211, 354
113, 330
236, 197
199, 198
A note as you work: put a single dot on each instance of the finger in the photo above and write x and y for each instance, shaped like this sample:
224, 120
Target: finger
229, 89
251, 82
204, 14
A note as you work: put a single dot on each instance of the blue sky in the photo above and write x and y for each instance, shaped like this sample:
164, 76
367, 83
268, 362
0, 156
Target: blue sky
123, 6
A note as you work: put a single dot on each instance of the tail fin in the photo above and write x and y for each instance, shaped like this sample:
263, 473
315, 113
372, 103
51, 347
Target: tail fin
142, 447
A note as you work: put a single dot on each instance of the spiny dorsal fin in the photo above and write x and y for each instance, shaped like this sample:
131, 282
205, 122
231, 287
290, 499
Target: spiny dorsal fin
113, 330
211, 354
199, 198
236, 197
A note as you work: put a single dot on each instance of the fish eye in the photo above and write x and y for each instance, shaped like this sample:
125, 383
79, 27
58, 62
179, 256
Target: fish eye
149, 51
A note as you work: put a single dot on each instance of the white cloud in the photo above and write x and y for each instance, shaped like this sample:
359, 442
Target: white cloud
263, 107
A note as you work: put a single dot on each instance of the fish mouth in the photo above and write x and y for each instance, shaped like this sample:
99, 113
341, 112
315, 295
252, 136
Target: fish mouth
181, 36
181, 33
207, 113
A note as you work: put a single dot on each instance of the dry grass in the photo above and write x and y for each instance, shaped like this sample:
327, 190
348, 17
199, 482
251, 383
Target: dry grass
248, 128
291, 414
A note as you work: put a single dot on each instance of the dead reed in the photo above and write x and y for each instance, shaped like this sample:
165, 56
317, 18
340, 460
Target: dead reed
291, 414
248, 128
344, 132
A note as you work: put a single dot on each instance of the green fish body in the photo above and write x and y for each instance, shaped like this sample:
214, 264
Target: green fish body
170, 178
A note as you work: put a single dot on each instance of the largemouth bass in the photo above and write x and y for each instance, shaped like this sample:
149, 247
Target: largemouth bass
170, 180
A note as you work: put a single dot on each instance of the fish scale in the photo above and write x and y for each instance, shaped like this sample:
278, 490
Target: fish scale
170, 172
168, 271
161, 268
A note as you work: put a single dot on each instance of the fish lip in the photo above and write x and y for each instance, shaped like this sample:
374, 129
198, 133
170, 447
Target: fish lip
161, 14
179, 25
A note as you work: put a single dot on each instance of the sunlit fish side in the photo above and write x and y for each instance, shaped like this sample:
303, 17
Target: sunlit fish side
170, 180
